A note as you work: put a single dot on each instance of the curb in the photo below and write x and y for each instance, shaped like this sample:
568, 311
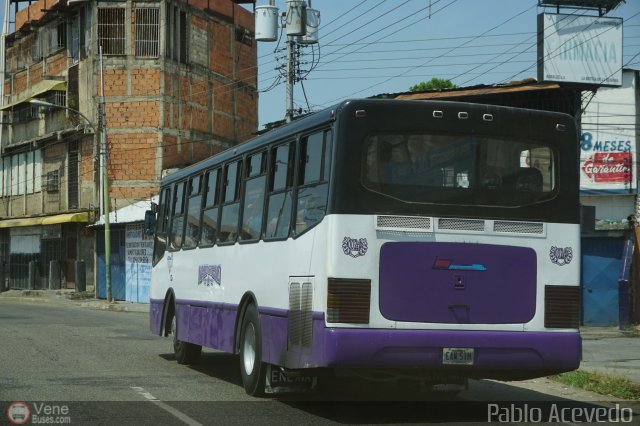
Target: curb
25, 299
74, 299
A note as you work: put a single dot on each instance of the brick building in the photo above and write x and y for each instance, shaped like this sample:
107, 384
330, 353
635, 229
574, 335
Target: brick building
179, 85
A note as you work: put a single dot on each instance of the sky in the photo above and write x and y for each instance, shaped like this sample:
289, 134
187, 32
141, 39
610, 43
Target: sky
385, 46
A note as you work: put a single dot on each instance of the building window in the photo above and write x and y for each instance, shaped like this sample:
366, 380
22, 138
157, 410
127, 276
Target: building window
21, 173
177, 33
53, 38
74, 49
245, 36
36, 51
147, 27
111, 34
53, 181
24, 114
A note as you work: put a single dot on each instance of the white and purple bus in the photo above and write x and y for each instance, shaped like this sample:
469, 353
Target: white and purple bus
435, 240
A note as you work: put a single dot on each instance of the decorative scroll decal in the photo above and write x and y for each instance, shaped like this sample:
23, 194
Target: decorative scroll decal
354, 247
561, 256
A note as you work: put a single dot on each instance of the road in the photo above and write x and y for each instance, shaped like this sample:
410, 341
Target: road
103, 367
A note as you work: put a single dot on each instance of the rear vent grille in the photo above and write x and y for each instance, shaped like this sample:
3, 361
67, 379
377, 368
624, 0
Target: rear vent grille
404, 222
300, 314
518, 227
461, 225
561, 306
348, 301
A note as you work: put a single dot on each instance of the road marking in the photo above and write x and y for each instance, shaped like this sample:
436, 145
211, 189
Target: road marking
166, 407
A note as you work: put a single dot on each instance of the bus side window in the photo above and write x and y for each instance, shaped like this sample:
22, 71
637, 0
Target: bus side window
281, 169
230, 214
160, 242
210, 210
192, 231
312, 187
253, 200
177, 216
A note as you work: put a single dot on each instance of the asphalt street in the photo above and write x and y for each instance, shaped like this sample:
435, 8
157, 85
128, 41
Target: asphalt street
105, 367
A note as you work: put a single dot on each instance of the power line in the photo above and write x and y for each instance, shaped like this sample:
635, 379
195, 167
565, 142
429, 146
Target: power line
444, 54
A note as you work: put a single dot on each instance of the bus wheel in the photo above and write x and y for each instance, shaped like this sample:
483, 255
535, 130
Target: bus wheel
252, 369
186, 353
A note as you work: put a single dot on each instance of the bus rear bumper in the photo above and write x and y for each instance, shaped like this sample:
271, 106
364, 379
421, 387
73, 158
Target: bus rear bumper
530, 353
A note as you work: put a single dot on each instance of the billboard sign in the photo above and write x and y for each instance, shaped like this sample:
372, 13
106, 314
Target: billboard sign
580, 49
608, 141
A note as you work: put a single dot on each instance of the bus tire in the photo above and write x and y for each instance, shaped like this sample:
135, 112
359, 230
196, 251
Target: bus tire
252, 369
185, 352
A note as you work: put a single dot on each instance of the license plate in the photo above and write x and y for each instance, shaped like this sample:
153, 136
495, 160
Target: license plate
457, 356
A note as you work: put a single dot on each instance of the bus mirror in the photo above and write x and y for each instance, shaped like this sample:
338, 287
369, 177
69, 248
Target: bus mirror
154, 207
149, 222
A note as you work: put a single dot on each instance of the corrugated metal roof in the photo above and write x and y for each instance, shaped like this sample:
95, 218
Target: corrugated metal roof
517, 87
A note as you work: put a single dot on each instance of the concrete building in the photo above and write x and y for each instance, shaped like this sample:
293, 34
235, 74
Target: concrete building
179, 85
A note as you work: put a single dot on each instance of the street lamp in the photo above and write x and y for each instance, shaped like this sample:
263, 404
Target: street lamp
104, 187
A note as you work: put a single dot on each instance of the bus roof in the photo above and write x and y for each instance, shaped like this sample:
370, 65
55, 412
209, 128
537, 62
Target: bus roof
317, 119
308, 122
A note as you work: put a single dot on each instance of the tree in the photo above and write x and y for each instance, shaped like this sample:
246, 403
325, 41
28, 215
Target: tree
434, 84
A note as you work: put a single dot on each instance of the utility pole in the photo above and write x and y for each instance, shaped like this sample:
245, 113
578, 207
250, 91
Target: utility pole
301, 24
105, 185
291, 76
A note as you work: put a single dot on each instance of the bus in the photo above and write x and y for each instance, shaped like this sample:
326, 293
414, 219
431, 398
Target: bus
380, 238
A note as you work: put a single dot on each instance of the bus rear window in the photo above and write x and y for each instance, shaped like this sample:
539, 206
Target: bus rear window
459, 169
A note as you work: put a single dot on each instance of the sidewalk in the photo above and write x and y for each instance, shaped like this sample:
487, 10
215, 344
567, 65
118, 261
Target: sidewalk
71, 297
605, 350
608, 350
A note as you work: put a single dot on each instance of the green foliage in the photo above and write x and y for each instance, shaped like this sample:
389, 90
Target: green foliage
433, 84
600, 383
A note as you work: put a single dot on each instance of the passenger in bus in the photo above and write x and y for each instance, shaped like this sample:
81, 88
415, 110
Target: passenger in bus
393, 164
529, 180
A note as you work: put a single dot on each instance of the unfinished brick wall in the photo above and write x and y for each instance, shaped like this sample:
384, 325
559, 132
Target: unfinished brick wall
145, 82
21, 81
223, 97
34, 12
36, 73
115, 82
87, 161
221, 59
57, 64
122, 115
178, 153
132, 156
247, 102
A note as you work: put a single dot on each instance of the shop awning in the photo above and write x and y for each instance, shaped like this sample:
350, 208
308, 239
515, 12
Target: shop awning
35, 90
66, 218
45, 220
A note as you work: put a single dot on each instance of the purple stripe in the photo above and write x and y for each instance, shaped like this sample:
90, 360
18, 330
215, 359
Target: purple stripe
423, 348
213, 326
274, 339
208, 324
155, 315
274, 312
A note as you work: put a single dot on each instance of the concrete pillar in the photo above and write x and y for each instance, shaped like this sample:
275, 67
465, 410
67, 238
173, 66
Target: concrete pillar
3, 281
54, 275
31, 277
81, 278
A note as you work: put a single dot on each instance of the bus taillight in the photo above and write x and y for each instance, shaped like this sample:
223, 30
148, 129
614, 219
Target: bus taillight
348, 300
